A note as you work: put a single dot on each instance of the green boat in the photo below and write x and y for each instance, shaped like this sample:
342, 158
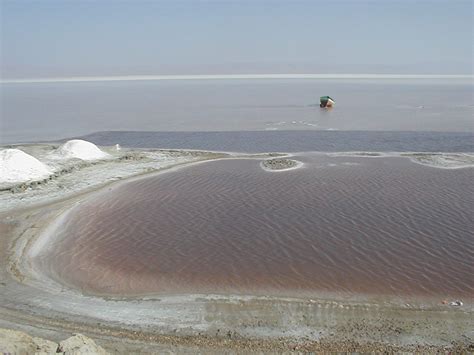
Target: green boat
326, 101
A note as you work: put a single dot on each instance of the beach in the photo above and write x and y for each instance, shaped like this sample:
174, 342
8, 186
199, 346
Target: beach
231, 314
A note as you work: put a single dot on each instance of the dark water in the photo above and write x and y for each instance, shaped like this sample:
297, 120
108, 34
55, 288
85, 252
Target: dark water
51, 111
293, 141
339, 224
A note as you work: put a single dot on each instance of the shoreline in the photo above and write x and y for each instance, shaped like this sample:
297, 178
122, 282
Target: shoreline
206, 321
266, 76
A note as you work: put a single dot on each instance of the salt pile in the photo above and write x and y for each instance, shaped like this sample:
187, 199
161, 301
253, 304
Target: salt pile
80, 149
16, 166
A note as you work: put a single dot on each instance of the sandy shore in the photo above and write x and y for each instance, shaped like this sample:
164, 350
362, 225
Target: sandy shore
206, 323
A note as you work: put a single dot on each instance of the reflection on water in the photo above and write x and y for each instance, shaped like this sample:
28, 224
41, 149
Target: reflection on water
342, 224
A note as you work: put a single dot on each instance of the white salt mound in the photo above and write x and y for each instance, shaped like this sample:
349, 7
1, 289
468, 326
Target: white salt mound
16, 167
80, 149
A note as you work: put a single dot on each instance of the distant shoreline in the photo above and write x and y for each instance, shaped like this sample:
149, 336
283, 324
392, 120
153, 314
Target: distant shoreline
229, 77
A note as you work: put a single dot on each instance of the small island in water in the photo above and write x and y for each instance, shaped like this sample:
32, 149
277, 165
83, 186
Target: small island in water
280, 164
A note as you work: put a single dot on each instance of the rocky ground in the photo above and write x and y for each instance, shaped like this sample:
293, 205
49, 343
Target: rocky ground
15, 342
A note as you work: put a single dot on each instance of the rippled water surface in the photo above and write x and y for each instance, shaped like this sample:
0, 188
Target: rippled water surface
339, 224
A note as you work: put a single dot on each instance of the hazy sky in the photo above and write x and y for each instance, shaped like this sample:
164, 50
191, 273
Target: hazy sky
48, 38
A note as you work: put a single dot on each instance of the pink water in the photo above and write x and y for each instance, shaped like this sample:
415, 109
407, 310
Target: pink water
352, 225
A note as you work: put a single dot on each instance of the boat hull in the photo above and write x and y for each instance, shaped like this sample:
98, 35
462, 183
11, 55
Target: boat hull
330, 103
326, 102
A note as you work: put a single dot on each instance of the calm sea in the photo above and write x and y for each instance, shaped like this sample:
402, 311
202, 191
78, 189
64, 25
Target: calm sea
52, 111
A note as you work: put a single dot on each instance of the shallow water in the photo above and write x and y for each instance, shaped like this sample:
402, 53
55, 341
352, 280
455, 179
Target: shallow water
51, 111
348, 225
292, 141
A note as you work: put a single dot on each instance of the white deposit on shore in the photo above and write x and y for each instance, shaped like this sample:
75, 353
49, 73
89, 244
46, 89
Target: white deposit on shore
75, 166
80, 149
16, 167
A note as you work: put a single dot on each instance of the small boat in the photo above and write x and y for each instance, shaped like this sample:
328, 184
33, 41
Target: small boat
326, 101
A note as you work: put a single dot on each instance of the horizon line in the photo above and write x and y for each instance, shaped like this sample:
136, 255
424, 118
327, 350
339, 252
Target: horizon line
230, 77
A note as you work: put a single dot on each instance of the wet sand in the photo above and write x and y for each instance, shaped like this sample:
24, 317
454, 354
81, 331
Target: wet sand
212, 322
